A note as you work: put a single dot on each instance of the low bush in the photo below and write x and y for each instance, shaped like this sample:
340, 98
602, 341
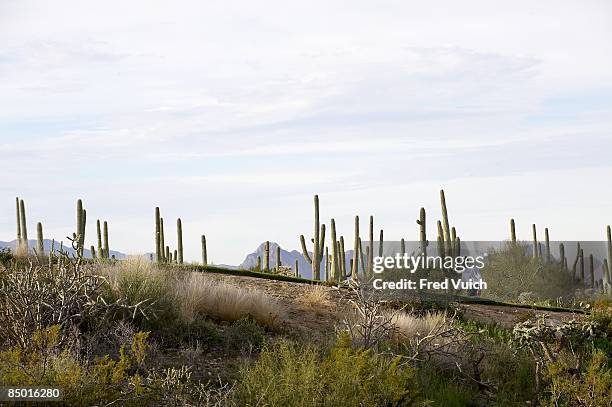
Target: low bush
6, 257
590, 386
298, 375
244, 335
510, 272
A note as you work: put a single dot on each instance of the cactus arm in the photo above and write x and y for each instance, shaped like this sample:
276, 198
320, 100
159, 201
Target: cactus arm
304, 251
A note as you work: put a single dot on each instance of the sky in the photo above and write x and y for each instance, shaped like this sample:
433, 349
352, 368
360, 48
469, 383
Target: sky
232, 114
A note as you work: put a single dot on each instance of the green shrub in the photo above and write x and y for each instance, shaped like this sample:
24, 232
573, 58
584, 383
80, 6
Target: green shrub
289, 374
511, 373
510, 273
6, 257
590, 387
443, 389
124, 380
244, 334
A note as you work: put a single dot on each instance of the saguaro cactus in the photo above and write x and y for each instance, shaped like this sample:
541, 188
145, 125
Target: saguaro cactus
582, 276
334, 272
607, 289
163, 241
446, 224
370, 253
278, 258
562, 259
297, 268
512, 231
355, 267
258, 263
547, 241
158, 245
318, 241
168, 256
93, 252
362, 258
441, 245
24, 229
342, 259
80, 226
266, 265
105, 248
575, 265
592, 270
18, 212
327, 261
608, 276
99, 236
423, 232
179, 237
380, 244
40, 248
402, 247
535, 241
205, 254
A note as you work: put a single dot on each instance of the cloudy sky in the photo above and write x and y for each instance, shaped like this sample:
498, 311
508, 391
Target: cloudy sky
232, 114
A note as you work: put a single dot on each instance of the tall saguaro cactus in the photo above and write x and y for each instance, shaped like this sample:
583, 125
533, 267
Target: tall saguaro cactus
512, 231
535, 241
278, 258
605, 281
582, 277
179, 237
370, 252
318, 241
608, 277
158, 246
441, 246
266, 265
423, 232
105, 248
380, 244
355, 268
334, 261
18, 212
205, 253
592, 270
40, 248
547, 241
99, 236
447, 232
163, 241
23, 223
80, 226
297, 268
562, 259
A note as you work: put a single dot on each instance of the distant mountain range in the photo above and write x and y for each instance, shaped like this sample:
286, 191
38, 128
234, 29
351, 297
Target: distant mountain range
66, 247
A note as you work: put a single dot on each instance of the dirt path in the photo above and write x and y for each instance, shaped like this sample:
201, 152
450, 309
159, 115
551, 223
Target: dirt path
507, 316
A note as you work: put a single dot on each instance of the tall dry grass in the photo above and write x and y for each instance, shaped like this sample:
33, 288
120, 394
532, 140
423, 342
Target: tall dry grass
187, 295
198, 295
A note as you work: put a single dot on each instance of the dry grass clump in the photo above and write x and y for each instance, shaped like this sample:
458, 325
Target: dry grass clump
187, 296
315, 296
199, 295
408, 326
